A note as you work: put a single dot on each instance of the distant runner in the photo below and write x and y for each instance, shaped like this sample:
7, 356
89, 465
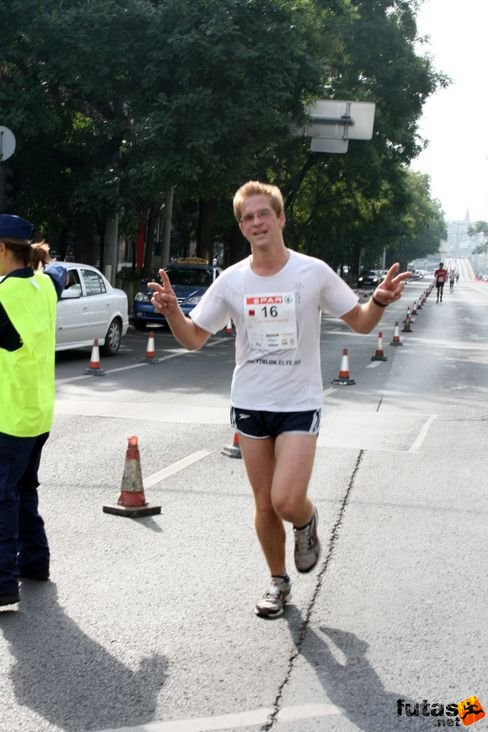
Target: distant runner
452, 276
440, 275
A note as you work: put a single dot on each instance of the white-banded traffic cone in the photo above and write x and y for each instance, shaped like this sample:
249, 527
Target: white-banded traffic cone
407, 327
344, 378
132, 501
228, 328
94, 367
396, 336
150, 349
233, 450
414, 310
379, 354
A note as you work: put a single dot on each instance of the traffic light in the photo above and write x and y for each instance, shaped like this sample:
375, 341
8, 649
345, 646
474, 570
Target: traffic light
6, 188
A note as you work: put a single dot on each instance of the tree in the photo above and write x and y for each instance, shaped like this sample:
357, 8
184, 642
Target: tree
200, 95
480, 230
421, 226
345, 207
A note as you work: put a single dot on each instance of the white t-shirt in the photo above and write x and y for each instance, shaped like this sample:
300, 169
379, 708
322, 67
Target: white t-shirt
277, 320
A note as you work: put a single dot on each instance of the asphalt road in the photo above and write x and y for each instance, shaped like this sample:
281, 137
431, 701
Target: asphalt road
148, 623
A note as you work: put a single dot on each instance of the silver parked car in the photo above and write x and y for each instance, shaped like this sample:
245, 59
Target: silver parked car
90, 308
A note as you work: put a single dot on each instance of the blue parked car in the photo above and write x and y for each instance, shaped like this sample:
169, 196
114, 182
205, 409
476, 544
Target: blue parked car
189, 279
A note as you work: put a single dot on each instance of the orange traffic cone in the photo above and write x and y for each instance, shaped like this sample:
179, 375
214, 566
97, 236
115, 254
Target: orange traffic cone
132, 501
228, 328
396, 336
379, 354
344, 379
233, 450
150, 349
94, 367
407, 328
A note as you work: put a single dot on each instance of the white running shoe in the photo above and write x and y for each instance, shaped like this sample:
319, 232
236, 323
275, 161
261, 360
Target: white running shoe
307, 545
274, 599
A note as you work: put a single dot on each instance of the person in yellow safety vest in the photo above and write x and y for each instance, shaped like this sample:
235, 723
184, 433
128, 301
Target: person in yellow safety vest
28, 298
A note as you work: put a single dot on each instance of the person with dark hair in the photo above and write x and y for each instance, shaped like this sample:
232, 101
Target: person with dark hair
452, 278
29, 291
275, 298
440, 276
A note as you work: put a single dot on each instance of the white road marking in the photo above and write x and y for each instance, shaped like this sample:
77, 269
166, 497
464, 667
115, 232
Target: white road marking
416, 444
253, 717
175, 468
330, 390
374, 364
167, 412
175, 354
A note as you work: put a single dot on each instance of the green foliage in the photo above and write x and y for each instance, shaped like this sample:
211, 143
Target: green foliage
422, 225
114, 105
481, 227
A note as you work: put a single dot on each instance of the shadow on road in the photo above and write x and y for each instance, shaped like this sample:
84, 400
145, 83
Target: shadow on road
353, 685
64, 676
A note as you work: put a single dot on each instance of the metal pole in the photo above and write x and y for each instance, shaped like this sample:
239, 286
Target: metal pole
168, 215
111, 248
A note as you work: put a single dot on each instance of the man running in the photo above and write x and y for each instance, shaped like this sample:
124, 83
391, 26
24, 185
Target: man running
440, 276
452, 276
275, 298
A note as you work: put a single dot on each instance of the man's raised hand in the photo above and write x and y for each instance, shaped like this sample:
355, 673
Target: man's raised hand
164, 299
392, 287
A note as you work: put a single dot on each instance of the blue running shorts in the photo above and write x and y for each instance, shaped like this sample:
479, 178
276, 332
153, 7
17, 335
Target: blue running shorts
261, 425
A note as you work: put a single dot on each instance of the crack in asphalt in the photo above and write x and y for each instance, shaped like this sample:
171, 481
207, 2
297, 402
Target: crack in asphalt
273, 717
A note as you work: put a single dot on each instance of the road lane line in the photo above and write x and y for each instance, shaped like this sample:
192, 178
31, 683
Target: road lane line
175, 468
253, 717
202, 724
179, 352
373, 365
168, 413
416, 444
330, 390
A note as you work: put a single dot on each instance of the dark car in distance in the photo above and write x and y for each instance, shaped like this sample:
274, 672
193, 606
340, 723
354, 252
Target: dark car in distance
189, 279
369, 278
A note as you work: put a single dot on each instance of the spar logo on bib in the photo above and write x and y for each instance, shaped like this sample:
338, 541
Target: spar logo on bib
263, 301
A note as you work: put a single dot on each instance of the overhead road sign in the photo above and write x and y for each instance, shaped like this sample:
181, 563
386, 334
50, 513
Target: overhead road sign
333, 122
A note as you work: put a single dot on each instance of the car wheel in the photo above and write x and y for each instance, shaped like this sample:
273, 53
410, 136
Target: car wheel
139, 325
112, 338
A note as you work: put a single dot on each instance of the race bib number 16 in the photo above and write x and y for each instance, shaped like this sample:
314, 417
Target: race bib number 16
271, 321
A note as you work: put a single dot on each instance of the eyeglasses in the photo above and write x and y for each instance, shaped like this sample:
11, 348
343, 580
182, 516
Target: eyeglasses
262, 215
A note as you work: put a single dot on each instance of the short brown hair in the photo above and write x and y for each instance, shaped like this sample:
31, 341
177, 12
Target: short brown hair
33, 255
256, 188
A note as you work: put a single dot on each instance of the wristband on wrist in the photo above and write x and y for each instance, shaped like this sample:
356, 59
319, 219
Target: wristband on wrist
378, 303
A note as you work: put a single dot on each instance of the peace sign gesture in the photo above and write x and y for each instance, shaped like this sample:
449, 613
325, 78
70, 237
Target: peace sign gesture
392, 287
164, 299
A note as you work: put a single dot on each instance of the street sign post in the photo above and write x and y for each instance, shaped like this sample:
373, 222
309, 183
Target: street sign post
7, 143
333, 122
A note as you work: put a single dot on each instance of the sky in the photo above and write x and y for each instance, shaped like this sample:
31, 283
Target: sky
455, 120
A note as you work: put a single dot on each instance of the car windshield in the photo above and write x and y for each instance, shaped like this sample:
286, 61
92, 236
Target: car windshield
190, 276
